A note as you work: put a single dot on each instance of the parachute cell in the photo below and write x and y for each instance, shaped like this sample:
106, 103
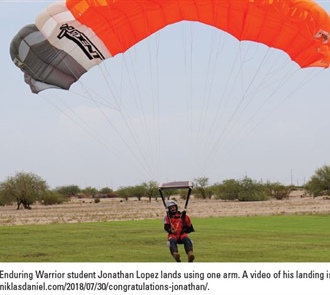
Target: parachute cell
70, 37
44, 66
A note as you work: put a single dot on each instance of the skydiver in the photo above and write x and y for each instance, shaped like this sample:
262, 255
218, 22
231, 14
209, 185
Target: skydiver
178, 225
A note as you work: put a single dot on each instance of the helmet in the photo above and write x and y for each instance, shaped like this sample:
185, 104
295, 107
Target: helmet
172, 204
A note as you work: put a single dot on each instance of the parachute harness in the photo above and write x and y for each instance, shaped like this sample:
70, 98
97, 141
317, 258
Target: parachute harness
176, 185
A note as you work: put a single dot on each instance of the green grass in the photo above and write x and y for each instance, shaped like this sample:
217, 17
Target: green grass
298, 238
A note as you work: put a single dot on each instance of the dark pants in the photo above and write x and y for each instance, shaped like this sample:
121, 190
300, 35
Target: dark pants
173, 244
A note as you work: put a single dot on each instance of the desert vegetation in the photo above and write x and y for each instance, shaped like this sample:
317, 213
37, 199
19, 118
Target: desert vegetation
26, 198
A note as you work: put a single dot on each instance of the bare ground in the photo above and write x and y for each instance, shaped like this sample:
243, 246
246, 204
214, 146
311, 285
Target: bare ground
86, 210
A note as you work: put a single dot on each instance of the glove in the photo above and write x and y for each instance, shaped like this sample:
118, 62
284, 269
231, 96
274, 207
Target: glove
183, 214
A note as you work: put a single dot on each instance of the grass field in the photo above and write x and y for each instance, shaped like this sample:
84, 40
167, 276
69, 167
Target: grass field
285, 238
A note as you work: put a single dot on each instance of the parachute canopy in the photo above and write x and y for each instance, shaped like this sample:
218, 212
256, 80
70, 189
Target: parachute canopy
70, 37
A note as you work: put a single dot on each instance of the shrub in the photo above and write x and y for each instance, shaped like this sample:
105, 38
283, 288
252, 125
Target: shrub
280, 192
319, 183
53, 198
241, 190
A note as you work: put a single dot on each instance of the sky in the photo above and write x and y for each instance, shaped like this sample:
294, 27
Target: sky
188, 102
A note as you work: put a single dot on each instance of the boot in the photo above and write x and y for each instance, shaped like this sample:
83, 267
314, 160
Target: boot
176, 256
191, 256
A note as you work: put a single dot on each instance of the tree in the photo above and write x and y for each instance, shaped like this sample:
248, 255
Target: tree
168, 193
201, 187
89, 191
68, 190
106, 191
228, 190
138, 191
240, 190
124, 192
319, 183
251, 190
24, 188
151, 189
277, 190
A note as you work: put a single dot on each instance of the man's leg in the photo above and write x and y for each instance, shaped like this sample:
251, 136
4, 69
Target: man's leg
188, 247
172, 244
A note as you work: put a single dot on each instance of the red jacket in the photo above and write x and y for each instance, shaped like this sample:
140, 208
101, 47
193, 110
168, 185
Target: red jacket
178, 226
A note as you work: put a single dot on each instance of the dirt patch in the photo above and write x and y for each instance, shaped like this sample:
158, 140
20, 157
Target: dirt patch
86, 210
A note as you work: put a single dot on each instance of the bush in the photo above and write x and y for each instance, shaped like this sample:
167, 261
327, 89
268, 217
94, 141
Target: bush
53, 198
280, 192
320, 182
5, 200
227, 190
240, 190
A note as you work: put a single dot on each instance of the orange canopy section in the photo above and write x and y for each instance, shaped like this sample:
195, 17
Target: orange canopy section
298, 27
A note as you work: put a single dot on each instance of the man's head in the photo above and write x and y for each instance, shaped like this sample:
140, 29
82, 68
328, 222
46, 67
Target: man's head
172, 207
